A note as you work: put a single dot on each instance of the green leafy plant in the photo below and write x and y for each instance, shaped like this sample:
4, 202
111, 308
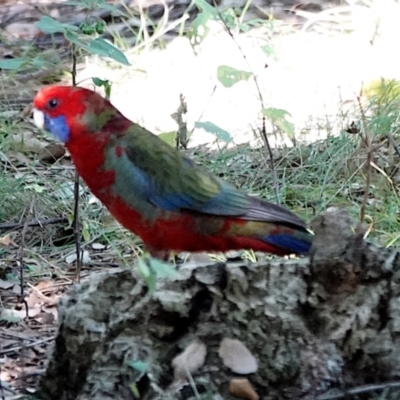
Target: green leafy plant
79, 37
151, 268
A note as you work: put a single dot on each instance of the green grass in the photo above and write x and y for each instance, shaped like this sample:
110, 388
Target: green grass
328, 173
310, 178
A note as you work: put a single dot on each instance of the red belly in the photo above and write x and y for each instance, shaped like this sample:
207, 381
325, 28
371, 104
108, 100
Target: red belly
187, 232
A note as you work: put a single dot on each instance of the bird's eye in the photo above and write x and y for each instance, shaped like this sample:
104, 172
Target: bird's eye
52, 104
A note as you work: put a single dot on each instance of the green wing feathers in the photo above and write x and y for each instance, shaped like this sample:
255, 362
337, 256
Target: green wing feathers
172, 182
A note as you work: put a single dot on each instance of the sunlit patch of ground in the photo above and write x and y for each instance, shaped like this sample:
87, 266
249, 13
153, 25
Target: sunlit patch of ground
315, 76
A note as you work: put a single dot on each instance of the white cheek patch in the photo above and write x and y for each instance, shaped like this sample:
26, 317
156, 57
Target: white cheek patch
38, 118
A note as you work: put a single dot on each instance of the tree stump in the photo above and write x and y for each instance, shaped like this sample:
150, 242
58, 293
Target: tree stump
316, 325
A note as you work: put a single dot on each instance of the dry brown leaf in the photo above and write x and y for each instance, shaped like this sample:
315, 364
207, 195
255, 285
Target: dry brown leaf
21, 158
45, 318
44, 285
17, 289
51, 153
236, 356
33, 312
71, 258
98, 246
33, 299
22, 30
241, 387
190, 360
28, 142
7, 241
6, 284
38, 298
26, 112
52, 310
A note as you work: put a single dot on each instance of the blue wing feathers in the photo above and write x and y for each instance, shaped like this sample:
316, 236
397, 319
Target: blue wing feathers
147, 188
220, 204
182, 185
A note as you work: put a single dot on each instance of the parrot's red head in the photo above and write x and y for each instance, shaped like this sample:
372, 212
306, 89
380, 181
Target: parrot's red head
68, 112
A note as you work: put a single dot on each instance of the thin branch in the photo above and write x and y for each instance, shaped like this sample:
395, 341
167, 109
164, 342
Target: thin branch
76, 227
260, 96
182, 134
37, 222
370, 152
275, 185
75, 222
393, 143
21, 258
74, 64
358, 390
25, 346
3, 387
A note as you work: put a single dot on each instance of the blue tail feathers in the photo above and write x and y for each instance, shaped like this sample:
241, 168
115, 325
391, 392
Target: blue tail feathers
293, 244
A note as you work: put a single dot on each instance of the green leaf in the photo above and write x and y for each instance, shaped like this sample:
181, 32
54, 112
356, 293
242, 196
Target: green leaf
138, 365
103, 83
228, 76
135, 390
169, 137
244, 27
78, 3
12, 63
85, 231
275, 113
220, 133
37, 188
199, 30
73, 38
163, 269
12, 316
278, 117
147, 274
98, 82
144, 269
38, 62
268, 50
98, 46
12, 277
102, 48
230, 18
206, 7
70, 218
150, 268
50, 25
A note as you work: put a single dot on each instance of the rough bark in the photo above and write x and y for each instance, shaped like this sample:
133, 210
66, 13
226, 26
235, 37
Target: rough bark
315, 325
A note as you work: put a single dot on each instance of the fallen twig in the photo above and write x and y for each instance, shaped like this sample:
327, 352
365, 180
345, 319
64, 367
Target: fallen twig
12, 349
359, 389
37, 222
21, 257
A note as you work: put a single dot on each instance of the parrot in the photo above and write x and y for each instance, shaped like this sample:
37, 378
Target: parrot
154, 190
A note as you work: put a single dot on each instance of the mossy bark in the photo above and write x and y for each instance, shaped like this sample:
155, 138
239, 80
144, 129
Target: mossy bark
315, 325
